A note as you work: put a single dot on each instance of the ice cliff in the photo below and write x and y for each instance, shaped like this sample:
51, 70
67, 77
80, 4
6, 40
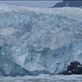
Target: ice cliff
39, 39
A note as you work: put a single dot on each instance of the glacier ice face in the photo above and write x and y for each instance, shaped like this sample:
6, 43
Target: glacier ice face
40, 39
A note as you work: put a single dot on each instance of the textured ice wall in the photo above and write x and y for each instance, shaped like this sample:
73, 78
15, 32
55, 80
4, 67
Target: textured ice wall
40, 39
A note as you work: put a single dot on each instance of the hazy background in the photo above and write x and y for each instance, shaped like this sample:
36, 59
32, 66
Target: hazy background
42, 4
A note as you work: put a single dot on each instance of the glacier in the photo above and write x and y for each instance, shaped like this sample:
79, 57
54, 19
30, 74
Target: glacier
39, 38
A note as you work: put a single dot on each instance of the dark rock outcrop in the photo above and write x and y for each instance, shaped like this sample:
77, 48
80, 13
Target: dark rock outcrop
74, 68
69, 3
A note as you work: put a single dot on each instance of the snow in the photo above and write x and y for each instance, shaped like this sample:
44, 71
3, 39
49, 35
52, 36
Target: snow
41, 38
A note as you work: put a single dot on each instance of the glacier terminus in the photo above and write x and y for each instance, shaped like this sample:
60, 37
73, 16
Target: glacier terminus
36, 41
